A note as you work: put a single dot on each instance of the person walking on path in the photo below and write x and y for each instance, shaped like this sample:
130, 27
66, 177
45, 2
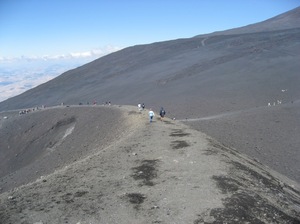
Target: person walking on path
151, 115
162, 113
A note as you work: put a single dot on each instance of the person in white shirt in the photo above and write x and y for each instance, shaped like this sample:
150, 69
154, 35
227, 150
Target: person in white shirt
151, 115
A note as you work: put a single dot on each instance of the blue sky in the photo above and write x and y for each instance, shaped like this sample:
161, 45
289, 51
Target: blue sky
54, 27
41, 39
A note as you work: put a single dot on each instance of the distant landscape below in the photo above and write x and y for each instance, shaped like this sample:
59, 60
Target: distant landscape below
18, 75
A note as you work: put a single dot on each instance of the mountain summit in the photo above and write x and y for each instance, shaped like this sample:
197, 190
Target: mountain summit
288, 20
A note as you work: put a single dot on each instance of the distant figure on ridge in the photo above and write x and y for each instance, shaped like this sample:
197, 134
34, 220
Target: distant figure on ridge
143, 106
151, 115
140, 107
162, 113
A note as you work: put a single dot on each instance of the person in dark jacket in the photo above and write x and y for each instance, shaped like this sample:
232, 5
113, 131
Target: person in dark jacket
162, 113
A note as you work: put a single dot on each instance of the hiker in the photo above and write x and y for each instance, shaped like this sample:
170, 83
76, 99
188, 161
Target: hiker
140, 107
162, 113
151, 115
143, 106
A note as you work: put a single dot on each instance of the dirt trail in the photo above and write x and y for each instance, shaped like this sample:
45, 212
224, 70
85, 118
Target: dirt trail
226, 114
163, 172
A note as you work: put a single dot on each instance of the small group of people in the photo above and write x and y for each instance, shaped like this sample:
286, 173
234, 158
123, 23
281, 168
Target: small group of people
162, 114
26, 111
95, 103
141, 106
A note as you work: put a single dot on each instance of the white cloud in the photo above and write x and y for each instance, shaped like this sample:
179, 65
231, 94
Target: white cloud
95, 53
81, 54
20, 74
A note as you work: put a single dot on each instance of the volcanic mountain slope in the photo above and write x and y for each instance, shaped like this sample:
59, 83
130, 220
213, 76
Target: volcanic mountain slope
108, 164
220, 72
201, 77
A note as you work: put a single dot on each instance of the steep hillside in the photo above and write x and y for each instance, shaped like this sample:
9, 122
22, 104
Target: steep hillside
37, 143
